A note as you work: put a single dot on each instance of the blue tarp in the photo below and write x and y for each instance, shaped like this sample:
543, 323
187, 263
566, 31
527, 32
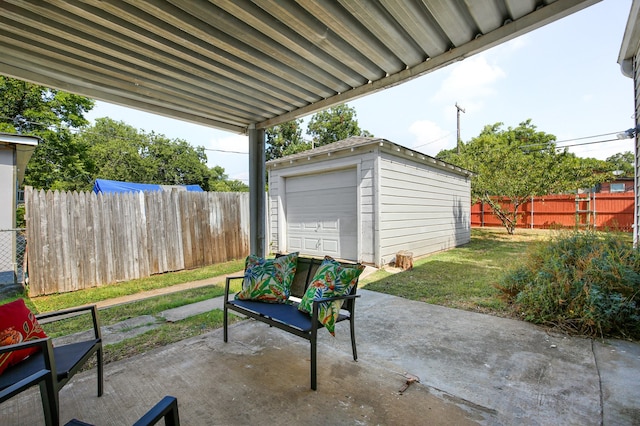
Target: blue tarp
104, 185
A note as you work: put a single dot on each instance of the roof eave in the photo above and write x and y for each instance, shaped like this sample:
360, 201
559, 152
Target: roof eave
630, 41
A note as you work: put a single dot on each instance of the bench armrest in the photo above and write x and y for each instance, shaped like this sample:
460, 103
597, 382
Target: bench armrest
166, 409
45, 345
39, 343
68, 313
226, 286
27, 382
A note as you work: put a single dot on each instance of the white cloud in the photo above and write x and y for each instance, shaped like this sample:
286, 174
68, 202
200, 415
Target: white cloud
430, 138
469, 82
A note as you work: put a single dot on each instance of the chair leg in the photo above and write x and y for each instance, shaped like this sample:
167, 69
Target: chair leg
353, 338
314, 384
100, 356
50, 405
224, 322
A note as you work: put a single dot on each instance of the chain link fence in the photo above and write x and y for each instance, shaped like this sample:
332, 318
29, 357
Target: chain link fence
13, 245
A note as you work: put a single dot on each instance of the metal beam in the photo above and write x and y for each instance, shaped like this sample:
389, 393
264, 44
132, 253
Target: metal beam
257, 198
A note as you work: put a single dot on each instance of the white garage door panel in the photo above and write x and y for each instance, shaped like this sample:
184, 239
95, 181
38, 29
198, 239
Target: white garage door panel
321, 214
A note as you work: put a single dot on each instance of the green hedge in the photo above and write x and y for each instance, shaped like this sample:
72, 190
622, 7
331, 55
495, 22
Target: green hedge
585, 283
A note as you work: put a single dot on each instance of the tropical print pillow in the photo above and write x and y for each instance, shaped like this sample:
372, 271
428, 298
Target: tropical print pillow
268, 280
330, 280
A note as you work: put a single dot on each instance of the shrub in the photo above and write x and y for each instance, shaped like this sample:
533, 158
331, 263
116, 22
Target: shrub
584, 282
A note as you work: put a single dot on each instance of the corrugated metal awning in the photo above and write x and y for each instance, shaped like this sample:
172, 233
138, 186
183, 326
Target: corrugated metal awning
239, 63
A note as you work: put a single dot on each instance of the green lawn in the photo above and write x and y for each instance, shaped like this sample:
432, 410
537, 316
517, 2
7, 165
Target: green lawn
463, 277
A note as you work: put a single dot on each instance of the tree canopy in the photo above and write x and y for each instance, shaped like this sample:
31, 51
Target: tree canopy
334, 124
518, 163
73, 154
59, 161
119, 151
622, 162
325, 127
285, 139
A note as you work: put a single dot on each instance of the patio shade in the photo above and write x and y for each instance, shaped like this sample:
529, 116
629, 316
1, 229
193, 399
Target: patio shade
238, 64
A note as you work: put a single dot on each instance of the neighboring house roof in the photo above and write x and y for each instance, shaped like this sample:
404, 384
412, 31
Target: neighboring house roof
24, 146
359, 142
105, 185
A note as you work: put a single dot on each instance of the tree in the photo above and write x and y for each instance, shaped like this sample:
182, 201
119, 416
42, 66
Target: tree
285, 139
220, 182
59, 161
518, 163
121, 152
624, 162
334, 124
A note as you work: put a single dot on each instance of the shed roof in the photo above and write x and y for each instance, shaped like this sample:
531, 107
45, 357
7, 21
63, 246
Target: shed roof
241, 64
361, 142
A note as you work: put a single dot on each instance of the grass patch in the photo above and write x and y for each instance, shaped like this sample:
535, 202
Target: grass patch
56, 302
151, 306
165, 334
463, 277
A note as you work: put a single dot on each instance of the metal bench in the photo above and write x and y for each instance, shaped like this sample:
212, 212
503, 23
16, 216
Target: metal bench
288, 318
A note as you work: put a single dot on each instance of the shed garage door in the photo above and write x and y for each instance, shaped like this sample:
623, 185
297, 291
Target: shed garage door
321, 214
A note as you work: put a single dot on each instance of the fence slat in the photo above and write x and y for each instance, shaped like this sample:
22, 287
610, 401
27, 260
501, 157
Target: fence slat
82, 240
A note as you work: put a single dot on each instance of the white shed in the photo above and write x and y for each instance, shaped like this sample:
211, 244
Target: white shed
366, 199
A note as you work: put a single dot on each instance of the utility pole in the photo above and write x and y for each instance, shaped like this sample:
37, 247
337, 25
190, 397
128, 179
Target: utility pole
459, 108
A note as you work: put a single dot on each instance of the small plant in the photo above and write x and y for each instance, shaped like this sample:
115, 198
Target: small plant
584, 282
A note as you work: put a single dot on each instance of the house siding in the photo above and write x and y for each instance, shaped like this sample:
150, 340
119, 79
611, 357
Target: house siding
7, 191
422, 209
636, 85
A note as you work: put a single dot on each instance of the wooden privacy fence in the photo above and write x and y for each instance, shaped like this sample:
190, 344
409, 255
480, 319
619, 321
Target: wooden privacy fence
81, 240
592, 210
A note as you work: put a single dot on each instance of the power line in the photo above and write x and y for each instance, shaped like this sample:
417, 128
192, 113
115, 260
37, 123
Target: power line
225, 151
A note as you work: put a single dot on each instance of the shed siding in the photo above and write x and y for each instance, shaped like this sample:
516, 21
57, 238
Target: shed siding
422, 209
272, 202
367, 209
277, 200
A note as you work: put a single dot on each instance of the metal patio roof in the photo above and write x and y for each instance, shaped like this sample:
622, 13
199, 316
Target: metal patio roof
242, 64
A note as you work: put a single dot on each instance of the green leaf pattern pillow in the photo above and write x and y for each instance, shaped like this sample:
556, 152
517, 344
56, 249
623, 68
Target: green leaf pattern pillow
330, 280
268, 280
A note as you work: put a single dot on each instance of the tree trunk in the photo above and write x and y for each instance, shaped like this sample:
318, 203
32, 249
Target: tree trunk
404, 260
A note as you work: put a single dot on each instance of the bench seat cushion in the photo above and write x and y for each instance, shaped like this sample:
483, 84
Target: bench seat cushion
66, 357
285, 313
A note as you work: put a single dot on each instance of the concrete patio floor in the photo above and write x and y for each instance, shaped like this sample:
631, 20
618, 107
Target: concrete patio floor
473, 369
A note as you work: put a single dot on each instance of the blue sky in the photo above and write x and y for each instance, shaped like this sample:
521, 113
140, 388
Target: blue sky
563, 76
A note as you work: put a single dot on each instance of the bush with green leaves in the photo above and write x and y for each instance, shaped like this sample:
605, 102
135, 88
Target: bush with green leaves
584, 283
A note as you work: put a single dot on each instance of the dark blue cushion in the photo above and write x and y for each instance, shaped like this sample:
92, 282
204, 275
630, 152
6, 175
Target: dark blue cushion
281, 312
